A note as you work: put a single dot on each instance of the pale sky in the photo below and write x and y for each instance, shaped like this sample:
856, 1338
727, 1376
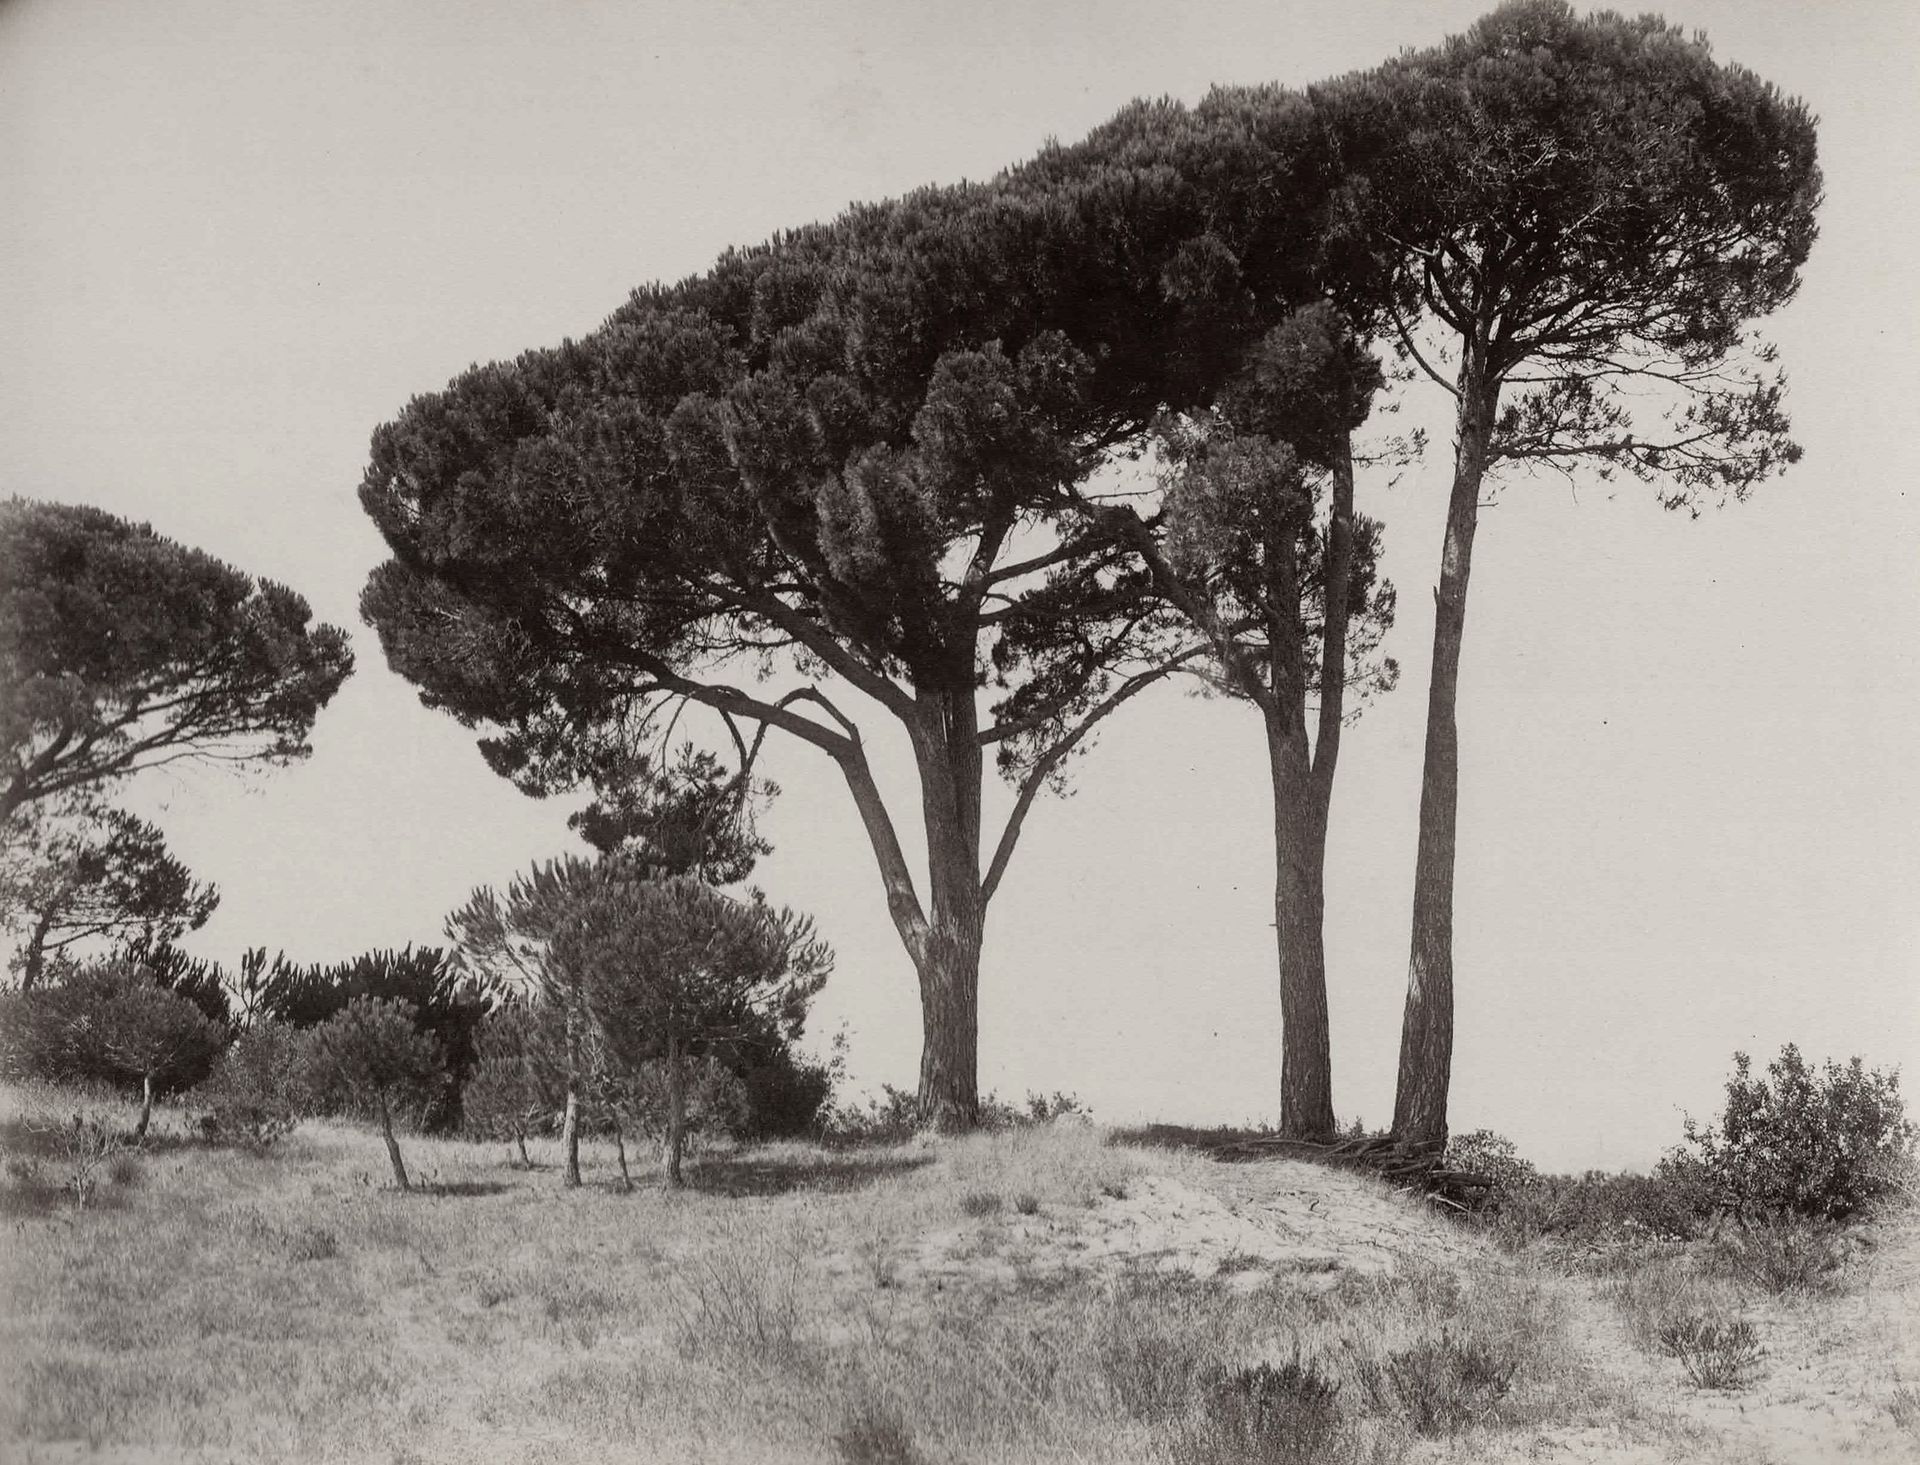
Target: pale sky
235, 238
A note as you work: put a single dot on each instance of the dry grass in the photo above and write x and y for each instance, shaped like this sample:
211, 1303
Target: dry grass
795, 1304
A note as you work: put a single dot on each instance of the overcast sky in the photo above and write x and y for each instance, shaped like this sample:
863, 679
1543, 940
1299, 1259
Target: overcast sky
235, 238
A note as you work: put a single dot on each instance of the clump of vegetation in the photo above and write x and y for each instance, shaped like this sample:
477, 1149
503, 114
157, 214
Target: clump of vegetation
1666, 1290
876, 1434
258, 1089
1600, 1222
109, 1024
1492, 1157
1904, 1406
1788, 1256
369, 1057
979, 1203
1716, 1355
1803, 1141
1263, 1415
1441, 1385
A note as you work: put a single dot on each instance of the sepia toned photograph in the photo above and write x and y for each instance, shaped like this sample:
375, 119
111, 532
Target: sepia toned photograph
861, 732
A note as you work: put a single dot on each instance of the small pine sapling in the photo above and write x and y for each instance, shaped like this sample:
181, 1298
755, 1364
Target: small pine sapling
371, 1056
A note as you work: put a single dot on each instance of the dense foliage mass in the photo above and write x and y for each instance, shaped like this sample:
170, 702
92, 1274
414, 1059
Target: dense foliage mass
866, 456
1808, 1141
122, 650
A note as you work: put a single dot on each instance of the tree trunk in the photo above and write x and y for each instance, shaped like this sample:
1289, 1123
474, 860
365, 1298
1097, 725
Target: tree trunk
34, 959
676, 1139
620, 1149
146, 1106
1299, 848
947, 750
570, 1136
1426, 1036
526, 1161
393, 1148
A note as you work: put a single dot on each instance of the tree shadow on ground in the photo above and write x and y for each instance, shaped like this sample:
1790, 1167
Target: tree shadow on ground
463, 1187
746, 1175
1184, 1136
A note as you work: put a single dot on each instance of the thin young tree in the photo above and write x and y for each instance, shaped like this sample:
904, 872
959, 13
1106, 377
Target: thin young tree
1591, 213
674, 968
1286, 597
370, 1056
508, 942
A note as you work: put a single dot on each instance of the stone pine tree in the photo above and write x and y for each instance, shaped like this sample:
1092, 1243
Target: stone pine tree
122, 650
1591, 213
509, 941
674, 968
96, 876
109, 1023
370, 1056
845, 457
1288, 603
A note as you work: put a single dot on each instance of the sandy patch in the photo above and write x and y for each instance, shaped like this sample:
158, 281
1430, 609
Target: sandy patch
1244, 1224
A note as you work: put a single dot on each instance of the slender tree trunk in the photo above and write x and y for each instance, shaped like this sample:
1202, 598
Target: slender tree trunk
1426, 1036
620, 1150
146, 1106
1306, 1048
676, 1139
947, 749
570, 1136
34, 963
520, 1142
393, 1148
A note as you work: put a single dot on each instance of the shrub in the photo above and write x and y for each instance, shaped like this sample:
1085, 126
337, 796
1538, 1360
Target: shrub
1263, 1415
996, 1113
1716, 1355
784, 1094
1904, 1406
876, 1435
1601, 1222
1440, 1385
511, 1092
1787, 1256
893, 1117
1801, 1141
1669, 1289
257, 1091
1493, 1156
84, 1150
979, 1203
313, 1244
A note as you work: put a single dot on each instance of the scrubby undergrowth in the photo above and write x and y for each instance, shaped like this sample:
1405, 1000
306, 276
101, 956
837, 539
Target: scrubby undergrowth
1033, 1295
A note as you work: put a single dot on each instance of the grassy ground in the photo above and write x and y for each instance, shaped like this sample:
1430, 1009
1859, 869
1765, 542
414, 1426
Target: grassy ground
1035, 1296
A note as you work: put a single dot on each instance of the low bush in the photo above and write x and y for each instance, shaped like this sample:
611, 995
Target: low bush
1667, 1290
1801, 1141
1716, 1355
1601, 1222
1263, 1415
876, 1435
258, 1089
1493, 1156
1440, 1386
977, 1203
1787, 1256
893, 1116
